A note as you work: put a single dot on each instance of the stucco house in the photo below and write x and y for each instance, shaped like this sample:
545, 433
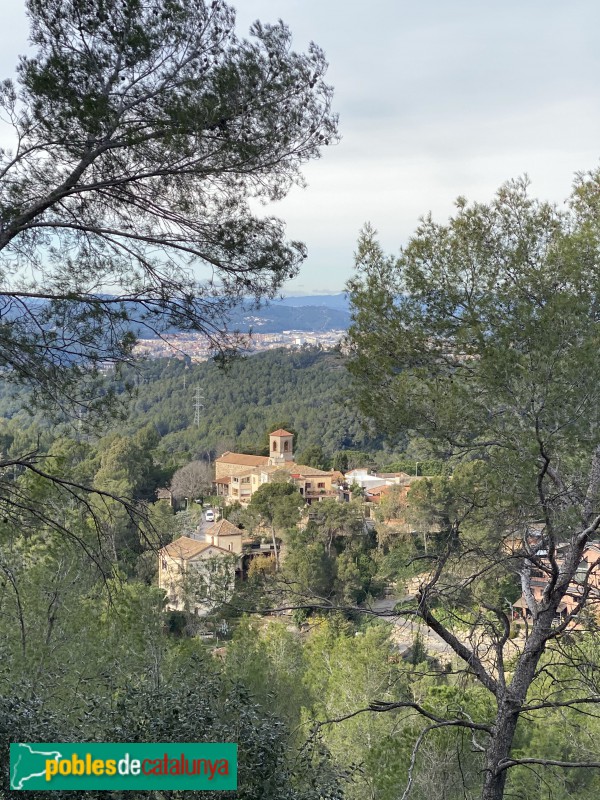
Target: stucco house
197, 576
587, 578
225, 535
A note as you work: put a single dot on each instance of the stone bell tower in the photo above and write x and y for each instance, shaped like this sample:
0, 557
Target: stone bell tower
281, 447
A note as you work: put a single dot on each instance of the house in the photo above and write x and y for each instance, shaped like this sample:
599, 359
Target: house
364, 478
368, 480
230, 464
238, 476
232, 472
375, 495
197, 576
312, 483
374, 485
225, 535
587, 574
164, 495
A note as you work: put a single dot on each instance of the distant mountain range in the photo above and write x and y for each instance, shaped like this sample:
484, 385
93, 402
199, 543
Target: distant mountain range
337, 301
308, 313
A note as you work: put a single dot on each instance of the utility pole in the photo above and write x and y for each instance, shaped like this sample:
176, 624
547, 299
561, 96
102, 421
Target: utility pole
198, 405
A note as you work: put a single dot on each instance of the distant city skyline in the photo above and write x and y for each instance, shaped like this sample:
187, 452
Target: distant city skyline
436, 100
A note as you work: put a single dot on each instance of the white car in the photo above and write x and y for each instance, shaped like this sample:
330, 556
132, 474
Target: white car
209, 515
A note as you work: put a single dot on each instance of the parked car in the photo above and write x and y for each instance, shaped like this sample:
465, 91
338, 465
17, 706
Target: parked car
209, 515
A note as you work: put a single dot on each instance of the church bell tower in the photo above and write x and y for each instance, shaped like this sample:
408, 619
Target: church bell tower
281, 445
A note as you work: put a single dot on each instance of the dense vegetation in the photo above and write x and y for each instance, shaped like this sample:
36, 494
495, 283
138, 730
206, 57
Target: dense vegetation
142, 135
88, 651
85, 642
308, 390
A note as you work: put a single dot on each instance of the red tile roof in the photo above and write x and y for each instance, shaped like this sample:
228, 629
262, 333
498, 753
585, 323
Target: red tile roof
223, 528
243, 459
186, 548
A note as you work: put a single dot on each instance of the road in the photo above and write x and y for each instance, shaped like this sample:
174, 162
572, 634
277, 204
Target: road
199, 532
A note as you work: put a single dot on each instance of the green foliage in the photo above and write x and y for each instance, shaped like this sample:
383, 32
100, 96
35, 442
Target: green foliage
125, 469
465, 352
125, 104
277, 505
313, 456
268, 659
340, 461
358, 669
482, 338
413, 467
418, 652
252, 398
101, 661
329, 560
308, 572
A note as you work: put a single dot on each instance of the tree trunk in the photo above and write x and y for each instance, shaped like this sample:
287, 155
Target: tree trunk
498, 750
275, 546
510, 704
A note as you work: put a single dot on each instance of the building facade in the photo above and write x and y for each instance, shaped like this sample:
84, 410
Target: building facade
238, 476
197, 576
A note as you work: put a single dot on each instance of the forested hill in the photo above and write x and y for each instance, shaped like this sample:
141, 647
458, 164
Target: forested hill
284, 314
307, 389
308, 313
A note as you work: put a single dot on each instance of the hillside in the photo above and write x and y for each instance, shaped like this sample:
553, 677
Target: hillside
300, 314
308, 390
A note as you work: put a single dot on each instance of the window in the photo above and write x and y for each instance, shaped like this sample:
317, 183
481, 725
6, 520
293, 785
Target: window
320, 485
582, 571
274, 445
164, 563
308, 485
286, 446
538, 573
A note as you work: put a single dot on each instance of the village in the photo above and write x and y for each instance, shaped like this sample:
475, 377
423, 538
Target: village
198, 348
221, 553
238, 476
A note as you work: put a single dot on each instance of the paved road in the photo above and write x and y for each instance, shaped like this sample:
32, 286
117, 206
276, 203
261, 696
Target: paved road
199, 532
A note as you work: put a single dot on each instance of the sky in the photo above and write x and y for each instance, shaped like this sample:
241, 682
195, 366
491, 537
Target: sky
436, 100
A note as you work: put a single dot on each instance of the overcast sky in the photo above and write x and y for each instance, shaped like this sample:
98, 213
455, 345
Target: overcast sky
436, 100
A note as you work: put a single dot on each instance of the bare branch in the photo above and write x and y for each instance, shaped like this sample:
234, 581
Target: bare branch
547, 762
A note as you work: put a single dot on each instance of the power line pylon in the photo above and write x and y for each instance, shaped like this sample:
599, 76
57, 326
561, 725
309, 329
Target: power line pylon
198, 405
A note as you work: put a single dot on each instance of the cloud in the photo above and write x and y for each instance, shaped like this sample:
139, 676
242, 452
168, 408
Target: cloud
436, 100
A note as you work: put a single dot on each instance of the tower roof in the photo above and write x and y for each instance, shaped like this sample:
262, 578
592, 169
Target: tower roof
281, 432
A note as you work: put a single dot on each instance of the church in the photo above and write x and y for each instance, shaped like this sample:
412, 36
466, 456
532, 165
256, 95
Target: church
238, 476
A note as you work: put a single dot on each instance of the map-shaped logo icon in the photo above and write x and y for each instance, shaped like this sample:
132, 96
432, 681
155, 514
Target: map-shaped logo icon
27, 763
